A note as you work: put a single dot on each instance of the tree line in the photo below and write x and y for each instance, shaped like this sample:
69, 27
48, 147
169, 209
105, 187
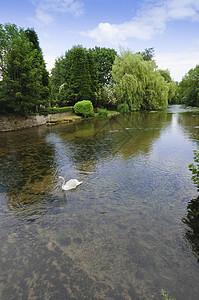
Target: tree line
100, 75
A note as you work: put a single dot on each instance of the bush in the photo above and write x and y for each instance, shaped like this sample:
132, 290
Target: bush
84, 108
102, 112
123, 108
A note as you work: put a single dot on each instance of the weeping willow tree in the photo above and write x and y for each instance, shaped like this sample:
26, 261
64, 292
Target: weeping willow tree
138, 83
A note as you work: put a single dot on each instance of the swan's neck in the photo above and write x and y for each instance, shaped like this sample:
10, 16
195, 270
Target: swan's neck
63, 180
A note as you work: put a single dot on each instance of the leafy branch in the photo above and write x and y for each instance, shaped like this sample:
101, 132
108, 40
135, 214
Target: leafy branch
194, 168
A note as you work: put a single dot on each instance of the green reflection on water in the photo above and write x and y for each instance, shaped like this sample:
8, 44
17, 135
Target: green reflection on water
117, 236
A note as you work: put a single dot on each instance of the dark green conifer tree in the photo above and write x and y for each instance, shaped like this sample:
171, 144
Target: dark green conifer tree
22, 88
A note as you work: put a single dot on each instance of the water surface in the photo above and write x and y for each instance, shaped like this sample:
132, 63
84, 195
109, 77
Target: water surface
127, 232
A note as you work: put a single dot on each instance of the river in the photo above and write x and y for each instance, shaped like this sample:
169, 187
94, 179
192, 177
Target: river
127, 232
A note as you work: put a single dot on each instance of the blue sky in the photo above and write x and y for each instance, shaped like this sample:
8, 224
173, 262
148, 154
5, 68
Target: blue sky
171, 27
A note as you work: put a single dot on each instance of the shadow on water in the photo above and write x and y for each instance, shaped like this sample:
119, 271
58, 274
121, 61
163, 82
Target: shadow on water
117, 236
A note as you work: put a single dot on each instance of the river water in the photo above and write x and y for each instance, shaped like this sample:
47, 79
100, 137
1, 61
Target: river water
127, 232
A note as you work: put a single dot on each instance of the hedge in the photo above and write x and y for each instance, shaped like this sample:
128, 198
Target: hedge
57, 110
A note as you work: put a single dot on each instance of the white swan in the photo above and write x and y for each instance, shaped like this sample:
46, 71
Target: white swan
70, 184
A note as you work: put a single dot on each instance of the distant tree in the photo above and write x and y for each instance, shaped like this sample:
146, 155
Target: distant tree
71, 77
92, 67
33, 38
166, 75
21, 72
79, 83
137, 82
148, 54
104, 59
172, 97
59, 75
189, 87
81, 73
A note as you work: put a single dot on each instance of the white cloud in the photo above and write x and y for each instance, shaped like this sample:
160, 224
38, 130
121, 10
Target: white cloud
45, 9
178, 63
149, 21
181, 9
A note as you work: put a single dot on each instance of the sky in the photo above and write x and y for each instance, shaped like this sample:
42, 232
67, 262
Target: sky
171, 27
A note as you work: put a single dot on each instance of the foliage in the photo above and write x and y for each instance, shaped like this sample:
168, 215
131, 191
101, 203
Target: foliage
172, 99
166, 296
138, 83
56, 110
166, 75
80, 74
102, 112
59, 77
33, 38
123, 108
23, 77
147, 54
194, 168
172, 96
106, 96
189, 87
84, 107
71, 77
104, 59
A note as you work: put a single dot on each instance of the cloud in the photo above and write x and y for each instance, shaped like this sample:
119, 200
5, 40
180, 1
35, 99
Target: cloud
183, 9
149, 21
178, 63
45, 9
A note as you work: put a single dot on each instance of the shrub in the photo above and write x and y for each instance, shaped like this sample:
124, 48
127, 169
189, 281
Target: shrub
123, 108
84, 108
102, 112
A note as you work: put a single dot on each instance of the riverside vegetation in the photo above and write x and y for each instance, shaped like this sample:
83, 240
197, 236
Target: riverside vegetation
100, 75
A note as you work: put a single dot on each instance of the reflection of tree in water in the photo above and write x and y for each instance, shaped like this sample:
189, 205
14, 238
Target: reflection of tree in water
30, 158
26, 167
126, 134
192, 221
190, 122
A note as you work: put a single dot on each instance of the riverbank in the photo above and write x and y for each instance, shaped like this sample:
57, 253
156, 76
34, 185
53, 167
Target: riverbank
13, 122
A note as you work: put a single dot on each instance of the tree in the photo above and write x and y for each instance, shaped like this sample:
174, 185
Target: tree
138, 83
147, 54
171, 84
79, 87
189, 87
33, 38
59, 75
94, 68
72, 79
104, 59
21, 69
166, 75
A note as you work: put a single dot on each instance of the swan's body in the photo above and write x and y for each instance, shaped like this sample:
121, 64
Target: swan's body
70, 184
